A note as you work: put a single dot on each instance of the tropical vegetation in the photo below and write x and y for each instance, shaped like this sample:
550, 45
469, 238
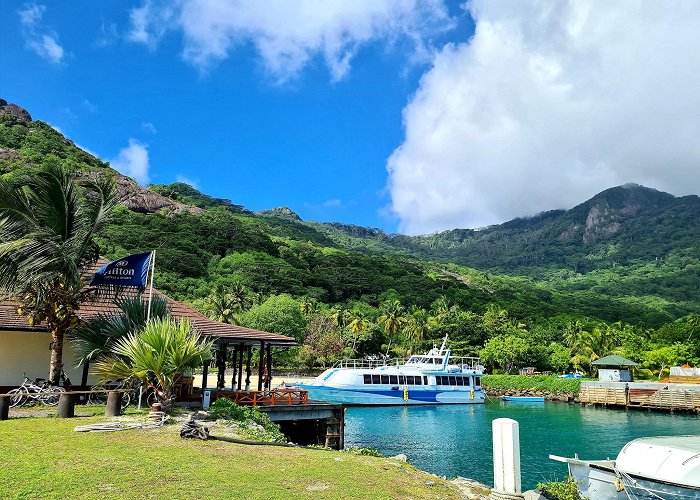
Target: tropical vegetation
49, 222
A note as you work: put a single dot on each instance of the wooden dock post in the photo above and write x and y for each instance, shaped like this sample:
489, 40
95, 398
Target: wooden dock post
506, 460
4, 407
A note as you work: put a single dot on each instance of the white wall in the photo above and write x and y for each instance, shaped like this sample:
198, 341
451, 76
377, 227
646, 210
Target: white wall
29, 352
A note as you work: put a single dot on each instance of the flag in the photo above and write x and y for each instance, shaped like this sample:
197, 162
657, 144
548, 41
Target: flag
127, 271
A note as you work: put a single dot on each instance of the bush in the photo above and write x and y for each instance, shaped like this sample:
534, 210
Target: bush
370, 452
533, 382
226, 409
561, 490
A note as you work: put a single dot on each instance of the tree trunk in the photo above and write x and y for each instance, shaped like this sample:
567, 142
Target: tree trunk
56, 356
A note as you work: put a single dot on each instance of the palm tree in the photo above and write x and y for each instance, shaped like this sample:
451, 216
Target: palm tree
156, 356
417, 324
593, 345
340, 317
97, 337
392, 319
48, 224
307, 306
358, 324
225, 303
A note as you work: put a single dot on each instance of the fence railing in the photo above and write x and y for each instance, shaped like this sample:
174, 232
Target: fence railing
270, 398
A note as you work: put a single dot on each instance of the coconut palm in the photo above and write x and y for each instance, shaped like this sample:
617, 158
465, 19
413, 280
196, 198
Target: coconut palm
156, 356
417, 324
357, 325
226, 303
48, 224
589, 346
97, 337
340, 317
392, 320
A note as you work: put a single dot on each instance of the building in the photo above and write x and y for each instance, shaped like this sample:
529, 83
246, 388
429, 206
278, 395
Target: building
614, 368
26, 349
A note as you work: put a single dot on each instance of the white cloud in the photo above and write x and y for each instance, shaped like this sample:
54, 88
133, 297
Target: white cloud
132, 161
549, 103
334, 203
288, 35
89, 106
41, 40
183, 178
149, 128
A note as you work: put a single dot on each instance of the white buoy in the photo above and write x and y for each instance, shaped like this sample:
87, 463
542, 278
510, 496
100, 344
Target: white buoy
506, 459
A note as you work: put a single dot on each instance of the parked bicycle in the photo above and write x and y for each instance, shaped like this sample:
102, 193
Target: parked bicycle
38, 391
99, 397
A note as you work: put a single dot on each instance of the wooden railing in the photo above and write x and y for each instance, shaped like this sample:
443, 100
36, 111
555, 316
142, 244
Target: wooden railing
269, 398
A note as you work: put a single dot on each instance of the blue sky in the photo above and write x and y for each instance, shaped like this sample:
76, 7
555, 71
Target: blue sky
233, 127
410, 115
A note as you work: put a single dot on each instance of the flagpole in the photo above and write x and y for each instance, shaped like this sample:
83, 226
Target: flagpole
150, 292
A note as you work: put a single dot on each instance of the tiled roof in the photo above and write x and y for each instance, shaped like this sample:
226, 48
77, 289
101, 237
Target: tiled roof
10, 320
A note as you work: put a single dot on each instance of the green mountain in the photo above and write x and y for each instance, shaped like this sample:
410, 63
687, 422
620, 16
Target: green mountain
629, 253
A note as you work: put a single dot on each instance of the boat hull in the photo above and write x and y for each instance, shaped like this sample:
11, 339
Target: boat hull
523, 399
357, 397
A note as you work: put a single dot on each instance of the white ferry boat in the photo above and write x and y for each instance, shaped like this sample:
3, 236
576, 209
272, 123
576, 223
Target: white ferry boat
432, 378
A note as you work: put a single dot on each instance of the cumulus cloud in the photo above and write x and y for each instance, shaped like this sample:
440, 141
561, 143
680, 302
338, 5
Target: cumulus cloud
288, 34
41, 40
187, 180
149, 128
547, 104
132, 161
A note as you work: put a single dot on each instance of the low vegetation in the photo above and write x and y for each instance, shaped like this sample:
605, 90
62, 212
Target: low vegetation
561, 490
531, 382
249, 421
159, 464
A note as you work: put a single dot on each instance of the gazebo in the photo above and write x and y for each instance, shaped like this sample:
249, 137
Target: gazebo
614, 368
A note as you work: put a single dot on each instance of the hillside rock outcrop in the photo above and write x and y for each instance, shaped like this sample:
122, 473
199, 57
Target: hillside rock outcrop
14, 110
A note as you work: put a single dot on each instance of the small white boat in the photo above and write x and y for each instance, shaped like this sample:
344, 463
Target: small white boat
436, 377
665, 467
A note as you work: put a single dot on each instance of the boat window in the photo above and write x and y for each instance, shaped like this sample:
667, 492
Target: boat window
418, 380
477, 381
385, 379
425, 380
466, 381
393, 379
410, 380
367, 379
460, 381
453, 380
437, 361
402, 379
375, 379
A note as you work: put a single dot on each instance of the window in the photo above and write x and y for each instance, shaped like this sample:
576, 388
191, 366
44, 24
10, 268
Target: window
402, 379
453, 380
367, 379
466, 381
425, 380
477, 381
375, 379
460, 381
393, 379
385, 379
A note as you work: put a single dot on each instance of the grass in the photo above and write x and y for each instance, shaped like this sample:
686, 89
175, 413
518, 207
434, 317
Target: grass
44, 458
533, 382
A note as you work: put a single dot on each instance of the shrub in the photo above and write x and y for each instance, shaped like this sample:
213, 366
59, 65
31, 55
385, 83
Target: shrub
370, 452
561, 490
226, 409
533, 382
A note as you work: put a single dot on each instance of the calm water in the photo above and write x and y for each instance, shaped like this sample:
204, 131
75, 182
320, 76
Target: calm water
455, 440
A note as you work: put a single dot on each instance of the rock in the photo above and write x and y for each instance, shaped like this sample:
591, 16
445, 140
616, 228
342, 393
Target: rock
430, 483
12, 109
142, 200
401, 457
534, 495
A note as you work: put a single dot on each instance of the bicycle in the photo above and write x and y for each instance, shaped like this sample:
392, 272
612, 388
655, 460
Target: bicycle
100, 397
36, 391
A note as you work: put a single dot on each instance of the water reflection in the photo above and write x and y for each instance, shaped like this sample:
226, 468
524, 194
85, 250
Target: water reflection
454, 440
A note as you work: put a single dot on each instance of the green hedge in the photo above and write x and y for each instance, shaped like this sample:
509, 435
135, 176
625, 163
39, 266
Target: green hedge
534, 382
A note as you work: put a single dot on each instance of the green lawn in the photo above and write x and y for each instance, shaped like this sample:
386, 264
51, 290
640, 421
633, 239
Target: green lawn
44, 458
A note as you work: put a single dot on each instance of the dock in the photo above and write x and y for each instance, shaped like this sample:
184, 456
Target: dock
649, 395
302, 420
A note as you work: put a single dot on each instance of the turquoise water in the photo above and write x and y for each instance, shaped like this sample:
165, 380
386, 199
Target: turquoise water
455, 440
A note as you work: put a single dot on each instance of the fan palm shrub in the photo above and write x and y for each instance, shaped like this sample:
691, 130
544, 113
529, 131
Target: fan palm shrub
48, 224
97, 337
155, 356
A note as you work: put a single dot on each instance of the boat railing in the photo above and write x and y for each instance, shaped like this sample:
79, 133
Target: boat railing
369, 362
466, 362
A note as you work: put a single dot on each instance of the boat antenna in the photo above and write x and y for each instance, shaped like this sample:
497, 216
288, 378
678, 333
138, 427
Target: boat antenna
444, 342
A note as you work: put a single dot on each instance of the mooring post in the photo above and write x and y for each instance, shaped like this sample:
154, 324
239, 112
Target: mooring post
114, 404
4, 407
506, 460
66, 405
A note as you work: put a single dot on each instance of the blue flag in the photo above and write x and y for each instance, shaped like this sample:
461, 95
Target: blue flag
127, 271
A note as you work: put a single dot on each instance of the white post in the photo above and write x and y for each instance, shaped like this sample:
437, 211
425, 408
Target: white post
506, 459
150, 292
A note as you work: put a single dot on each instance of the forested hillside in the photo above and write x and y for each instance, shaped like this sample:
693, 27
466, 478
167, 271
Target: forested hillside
620, 272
